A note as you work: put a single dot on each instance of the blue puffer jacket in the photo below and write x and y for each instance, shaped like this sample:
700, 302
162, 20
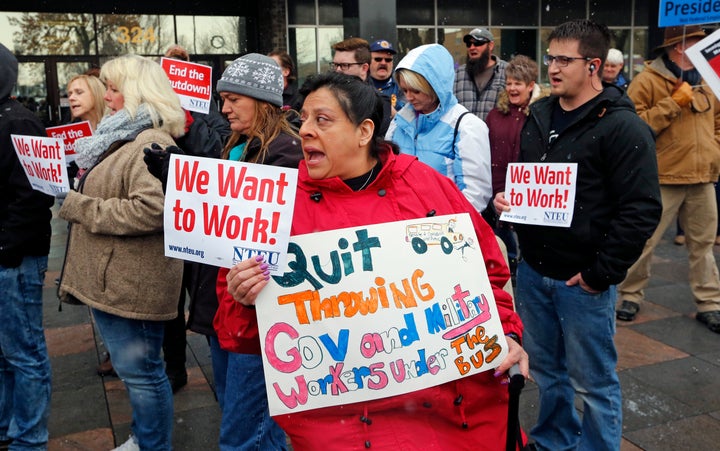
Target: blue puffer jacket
430, 136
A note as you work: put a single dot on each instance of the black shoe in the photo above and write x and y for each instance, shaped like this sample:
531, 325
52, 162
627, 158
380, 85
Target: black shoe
177, 380
5, 444
627, 311
106, 367
710, 319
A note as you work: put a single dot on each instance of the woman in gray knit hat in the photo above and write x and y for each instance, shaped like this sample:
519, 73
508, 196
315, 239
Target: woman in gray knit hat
251, 88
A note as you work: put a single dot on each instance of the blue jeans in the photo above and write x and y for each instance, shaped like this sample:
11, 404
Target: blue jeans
24, 363
135, 347
246, 423
219, 359
569, 338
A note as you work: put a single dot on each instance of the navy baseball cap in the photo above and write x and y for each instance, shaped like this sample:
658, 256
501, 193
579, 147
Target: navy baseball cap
381, 45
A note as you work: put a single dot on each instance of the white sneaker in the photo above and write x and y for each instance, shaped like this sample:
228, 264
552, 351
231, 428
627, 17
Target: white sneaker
130, 445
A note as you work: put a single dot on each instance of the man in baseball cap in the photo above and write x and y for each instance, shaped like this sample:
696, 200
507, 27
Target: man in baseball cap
381, 72
482, 78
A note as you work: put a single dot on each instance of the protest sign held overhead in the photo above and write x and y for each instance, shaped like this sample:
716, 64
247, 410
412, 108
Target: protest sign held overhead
43, 160
69, 133
221, 212
540, 193
375, 311
191, 81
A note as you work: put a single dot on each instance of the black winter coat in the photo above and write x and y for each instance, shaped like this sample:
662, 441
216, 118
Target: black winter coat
24, 212
206, 138
617, 201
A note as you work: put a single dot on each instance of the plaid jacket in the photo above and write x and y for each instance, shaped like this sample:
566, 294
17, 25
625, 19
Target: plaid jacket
479, 102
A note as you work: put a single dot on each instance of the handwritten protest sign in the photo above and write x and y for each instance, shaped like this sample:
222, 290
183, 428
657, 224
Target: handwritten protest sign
540, 193
69, 133
705, 56
221, 212
43, 160
375, 311
192, 83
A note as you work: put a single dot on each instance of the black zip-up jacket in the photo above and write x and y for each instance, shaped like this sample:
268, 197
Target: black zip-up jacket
617, 201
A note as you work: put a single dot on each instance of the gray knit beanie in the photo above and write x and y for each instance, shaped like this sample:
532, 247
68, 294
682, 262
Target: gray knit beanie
254, 75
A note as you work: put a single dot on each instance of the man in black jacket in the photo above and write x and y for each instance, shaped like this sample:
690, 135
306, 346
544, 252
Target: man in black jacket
566, 283
24, 246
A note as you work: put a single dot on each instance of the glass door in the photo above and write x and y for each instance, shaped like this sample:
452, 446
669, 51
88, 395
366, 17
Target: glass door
31, 90
42, 85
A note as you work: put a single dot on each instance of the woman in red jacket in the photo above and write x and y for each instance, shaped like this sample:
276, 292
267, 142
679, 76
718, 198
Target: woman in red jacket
352, 177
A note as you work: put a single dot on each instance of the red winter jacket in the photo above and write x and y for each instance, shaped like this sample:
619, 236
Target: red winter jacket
432, 418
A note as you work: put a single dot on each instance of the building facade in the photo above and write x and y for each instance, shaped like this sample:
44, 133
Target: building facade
55, 40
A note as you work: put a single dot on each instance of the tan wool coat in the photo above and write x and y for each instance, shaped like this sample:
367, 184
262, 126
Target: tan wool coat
115, 259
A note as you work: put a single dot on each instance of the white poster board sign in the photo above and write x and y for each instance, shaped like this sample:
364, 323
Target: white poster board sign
705, 56
191, 81
221, 212
43, 160
376, 311
541, 193
69, 134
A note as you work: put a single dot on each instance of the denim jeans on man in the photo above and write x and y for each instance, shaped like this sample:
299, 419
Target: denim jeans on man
24, 364
246, 423
569, 338
135, 347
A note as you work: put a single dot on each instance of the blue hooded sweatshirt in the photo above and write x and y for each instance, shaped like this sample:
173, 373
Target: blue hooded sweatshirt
464, 158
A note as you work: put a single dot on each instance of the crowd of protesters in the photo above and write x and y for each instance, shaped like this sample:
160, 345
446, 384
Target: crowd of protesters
374, 140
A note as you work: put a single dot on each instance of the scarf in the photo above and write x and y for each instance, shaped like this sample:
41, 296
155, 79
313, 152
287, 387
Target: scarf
110, 129
691, 76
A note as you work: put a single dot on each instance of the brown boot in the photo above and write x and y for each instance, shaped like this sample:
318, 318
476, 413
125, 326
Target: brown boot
106, 367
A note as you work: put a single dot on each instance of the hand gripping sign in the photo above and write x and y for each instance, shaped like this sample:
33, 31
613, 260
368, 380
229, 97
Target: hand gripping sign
376, 311
43, 160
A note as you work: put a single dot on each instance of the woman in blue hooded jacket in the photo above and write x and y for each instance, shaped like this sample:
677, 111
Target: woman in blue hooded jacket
434, 127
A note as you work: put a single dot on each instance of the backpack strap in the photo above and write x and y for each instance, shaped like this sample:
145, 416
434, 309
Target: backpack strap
457, 126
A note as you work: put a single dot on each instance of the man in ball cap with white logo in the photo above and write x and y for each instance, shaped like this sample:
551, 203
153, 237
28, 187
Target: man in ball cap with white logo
482, 78
381, 72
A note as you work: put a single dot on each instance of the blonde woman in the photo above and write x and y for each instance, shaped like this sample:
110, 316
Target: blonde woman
115, 260
85, 96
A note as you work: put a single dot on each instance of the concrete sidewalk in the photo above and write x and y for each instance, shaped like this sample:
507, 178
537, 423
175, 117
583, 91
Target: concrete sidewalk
669, 368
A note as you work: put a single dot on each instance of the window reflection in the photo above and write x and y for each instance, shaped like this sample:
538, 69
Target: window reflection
212, 35
134, 33
48, 33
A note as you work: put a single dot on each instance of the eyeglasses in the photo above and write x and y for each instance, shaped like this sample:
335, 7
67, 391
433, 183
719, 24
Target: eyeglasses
380, 59
563, 61
343, 66
475, 43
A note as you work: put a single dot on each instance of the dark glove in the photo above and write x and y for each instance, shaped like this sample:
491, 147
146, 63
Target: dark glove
157, 160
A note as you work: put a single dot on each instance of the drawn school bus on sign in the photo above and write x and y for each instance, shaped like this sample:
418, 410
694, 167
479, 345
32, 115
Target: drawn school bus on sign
427, 234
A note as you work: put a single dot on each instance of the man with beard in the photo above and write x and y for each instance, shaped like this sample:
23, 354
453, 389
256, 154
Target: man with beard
480, 80
381, 72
